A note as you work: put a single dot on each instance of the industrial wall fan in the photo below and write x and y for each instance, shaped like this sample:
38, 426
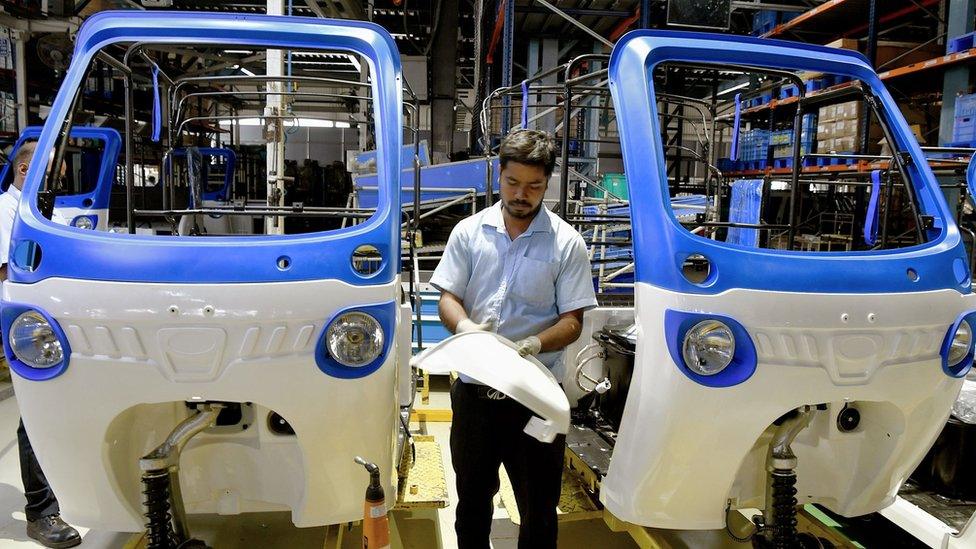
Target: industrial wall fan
54, 50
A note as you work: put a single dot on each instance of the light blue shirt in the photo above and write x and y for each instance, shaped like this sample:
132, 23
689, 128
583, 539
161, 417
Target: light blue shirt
522, 285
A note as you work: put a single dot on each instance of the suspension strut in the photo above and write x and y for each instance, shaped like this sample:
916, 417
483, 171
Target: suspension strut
780, 513
166, 518
159, 529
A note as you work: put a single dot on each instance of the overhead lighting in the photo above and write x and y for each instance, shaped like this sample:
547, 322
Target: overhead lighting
311, 123
242, 69
242, 122
290, 122
732, 89
248, 52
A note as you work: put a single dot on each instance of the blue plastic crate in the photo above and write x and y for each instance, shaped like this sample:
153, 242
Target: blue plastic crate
960, 43
788, 91
964, 128
965, 105
764, 21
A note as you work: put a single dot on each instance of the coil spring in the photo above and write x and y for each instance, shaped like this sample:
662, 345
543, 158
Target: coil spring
784, 510
159, 529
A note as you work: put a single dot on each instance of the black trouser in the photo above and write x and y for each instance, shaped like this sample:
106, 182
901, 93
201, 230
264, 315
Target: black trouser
40, 499
486, 433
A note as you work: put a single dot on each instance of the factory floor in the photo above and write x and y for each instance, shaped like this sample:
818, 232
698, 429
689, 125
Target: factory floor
417, 529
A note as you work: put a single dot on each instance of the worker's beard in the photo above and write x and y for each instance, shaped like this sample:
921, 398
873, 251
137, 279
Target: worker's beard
523, 211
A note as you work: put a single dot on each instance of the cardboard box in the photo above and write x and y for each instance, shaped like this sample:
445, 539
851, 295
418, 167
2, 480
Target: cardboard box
846, 144
827, 114
844, 43
846, 128
849, 110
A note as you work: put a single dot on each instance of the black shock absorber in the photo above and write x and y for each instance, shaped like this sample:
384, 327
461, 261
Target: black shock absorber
784, 509
159, 529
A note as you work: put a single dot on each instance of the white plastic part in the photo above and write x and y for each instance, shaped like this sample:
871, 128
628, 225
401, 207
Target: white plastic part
494, 361
922, 526
705, 446
140, 351
603, 386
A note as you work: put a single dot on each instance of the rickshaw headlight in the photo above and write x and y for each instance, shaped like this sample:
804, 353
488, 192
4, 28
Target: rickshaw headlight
354, 339
962, 342
708, 347
34, 341
83, 222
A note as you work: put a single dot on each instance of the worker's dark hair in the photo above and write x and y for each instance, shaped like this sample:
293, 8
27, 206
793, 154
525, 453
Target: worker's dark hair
531, 147
24, 153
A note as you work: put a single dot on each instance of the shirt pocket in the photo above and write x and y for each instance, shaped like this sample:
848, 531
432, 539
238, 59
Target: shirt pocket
535, 281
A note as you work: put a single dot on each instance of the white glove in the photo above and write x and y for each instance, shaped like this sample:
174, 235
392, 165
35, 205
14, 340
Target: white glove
529, 346
468, 325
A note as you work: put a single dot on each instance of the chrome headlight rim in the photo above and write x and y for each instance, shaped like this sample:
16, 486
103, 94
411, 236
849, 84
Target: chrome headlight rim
386, 314
960, 344
9, 312
745, 361
952, 364
354, 328
41, 329
693, 341
85, 222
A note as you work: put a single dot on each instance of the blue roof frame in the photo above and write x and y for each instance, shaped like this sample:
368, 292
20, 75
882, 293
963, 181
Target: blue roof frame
93, 255
662, 245
102, 193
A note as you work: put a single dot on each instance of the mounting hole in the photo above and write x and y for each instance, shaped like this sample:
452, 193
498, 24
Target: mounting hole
174, 310
87, 202
279, 425
367, 260
208, 310
912, 275
848, 419
696, 269
284, 263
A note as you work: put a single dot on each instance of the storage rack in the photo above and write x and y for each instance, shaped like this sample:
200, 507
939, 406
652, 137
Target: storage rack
932, 82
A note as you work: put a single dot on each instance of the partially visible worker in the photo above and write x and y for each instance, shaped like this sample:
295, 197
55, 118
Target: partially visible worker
518, 269
44, 523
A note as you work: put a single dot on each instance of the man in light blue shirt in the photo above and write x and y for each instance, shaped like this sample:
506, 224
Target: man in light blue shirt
518, 269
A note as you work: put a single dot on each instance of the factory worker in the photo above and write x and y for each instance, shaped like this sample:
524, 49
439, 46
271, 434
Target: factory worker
518, 269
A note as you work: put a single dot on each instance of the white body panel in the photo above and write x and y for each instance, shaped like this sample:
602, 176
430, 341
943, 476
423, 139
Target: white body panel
139, 351
685, 450
68, 214
217, 225
928, 529
494, 361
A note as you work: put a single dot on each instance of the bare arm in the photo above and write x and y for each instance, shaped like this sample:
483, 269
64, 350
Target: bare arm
451, 311
565, 331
